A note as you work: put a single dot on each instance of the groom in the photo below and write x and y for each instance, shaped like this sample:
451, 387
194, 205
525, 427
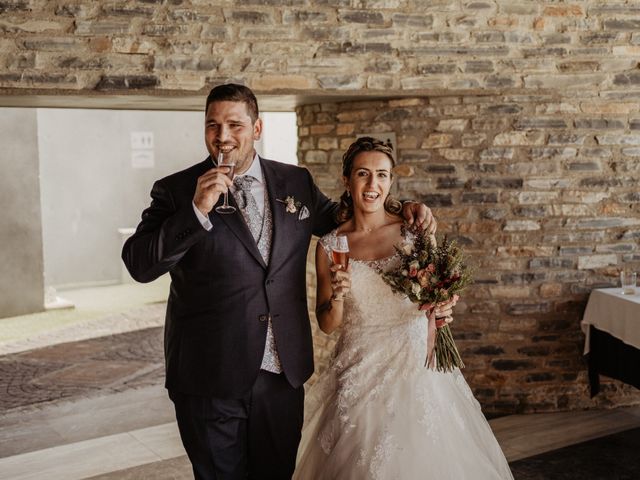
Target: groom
238, 342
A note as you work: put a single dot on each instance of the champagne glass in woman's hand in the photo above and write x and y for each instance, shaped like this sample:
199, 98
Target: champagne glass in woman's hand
231, 166
340, 251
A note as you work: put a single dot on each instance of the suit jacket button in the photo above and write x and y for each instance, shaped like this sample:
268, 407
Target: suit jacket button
262, 318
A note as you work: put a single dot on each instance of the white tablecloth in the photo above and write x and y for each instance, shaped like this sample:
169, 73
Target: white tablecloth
618, 315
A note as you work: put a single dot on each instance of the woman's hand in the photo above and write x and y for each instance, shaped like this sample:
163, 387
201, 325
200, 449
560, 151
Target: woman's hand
444, 310
340, 282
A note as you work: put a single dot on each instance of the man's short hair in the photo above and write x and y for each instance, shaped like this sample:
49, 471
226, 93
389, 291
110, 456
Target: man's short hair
232, 92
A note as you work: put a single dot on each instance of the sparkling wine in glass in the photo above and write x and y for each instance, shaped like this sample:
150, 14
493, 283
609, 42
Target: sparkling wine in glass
231, 166
340, 251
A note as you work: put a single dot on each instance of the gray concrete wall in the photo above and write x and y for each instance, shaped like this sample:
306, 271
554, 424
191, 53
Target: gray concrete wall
21, 281
90, 188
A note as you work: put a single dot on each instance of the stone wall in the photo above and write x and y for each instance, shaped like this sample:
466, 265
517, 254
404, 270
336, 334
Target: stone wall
541, 191
315, 46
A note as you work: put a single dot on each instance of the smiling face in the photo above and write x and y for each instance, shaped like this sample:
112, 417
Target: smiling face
370, 181
229, 129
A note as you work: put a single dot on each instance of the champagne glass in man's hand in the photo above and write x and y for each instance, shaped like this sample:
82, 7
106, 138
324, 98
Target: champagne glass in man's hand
340, 251
231, 166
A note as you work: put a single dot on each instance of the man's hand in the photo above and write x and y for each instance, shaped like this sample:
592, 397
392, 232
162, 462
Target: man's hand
209, 188
421, 215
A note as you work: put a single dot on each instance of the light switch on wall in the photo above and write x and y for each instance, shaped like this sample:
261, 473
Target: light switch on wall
142, 155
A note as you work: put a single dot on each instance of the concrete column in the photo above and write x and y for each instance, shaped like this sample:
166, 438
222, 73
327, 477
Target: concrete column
21, 259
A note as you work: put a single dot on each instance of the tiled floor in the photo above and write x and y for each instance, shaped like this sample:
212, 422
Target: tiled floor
96, 408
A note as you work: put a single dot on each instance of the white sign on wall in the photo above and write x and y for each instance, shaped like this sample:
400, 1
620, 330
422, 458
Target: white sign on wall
142, 155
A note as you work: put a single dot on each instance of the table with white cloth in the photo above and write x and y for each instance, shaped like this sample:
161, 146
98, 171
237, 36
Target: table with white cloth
611, 324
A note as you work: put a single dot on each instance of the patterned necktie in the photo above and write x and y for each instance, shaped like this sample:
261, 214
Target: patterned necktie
248, 205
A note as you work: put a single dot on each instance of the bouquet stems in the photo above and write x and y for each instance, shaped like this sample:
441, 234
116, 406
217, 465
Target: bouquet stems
446, 352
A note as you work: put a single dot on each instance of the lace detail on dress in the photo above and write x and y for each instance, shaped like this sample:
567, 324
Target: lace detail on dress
382, 452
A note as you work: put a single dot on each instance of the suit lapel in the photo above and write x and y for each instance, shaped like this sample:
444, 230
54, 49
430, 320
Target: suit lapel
276, 189
239, 227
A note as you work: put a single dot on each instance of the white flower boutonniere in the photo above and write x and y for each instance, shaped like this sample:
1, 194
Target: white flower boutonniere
291, 205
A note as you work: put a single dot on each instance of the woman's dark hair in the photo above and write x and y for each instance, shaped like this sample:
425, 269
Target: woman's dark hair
364, 144
232, 92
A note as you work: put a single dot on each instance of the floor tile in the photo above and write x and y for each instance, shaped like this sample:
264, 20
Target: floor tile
174, 469
163, 440
76, 461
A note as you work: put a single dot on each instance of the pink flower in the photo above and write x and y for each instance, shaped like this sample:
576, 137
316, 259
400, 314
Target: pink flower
413, 269
423, 277
431, 268
290, 204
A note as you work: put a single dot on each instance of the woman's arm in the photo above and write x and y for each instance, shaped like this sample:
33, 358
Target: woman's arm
332, 285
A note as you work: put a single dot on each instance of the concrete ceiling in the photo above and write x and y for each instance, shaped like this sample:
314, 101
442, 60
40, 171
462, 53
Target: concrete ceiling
194, 102
268, 103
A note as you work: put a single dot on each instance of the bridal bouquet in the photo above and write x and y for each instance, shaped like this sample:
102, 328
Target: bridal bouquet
430, 273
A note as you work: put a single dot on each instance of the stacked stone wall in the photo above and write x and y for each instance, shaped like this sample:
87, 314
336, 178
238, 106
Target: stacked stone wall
542, 192
315, 46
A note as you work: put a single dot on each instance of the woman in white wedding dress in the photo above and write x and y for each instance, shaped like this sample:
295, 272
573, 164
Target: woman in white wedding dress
377, 412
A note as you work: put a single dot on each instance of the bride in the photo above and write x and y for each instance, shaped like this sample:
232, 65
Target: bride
377, 412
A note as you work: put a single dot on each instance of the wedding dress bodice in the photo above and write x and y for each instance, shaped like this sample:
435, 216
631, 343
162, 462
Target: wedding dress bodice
375, 316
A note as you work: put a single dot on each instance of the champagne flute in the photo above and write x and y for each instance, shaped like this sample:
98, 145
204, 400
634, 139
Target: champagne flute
231, 166
340, 251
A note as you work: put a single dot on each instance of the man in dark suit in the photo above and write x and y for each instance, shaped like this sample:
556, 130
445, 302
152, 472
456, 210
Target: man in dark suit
238, 342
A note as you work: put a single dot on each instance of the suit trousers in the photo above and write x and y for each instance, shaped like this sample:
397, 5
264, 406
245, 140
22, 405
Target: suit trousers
255, 437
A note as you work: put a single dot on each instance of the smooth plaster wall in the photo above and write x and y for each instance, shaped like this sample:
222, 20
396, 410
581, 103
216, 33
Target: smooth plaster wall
21, 282
90, 189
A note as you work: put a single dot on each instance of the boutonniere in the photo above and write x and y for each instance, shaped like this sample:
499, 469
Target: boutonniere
291, 205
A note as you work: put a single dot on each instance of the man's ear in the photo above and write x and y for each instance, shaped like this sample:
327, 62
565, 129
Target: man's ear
257, 129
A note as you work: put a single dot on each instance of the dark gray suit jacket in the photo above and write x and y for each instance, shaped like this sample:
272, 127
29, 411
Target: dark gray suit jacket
221, 290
